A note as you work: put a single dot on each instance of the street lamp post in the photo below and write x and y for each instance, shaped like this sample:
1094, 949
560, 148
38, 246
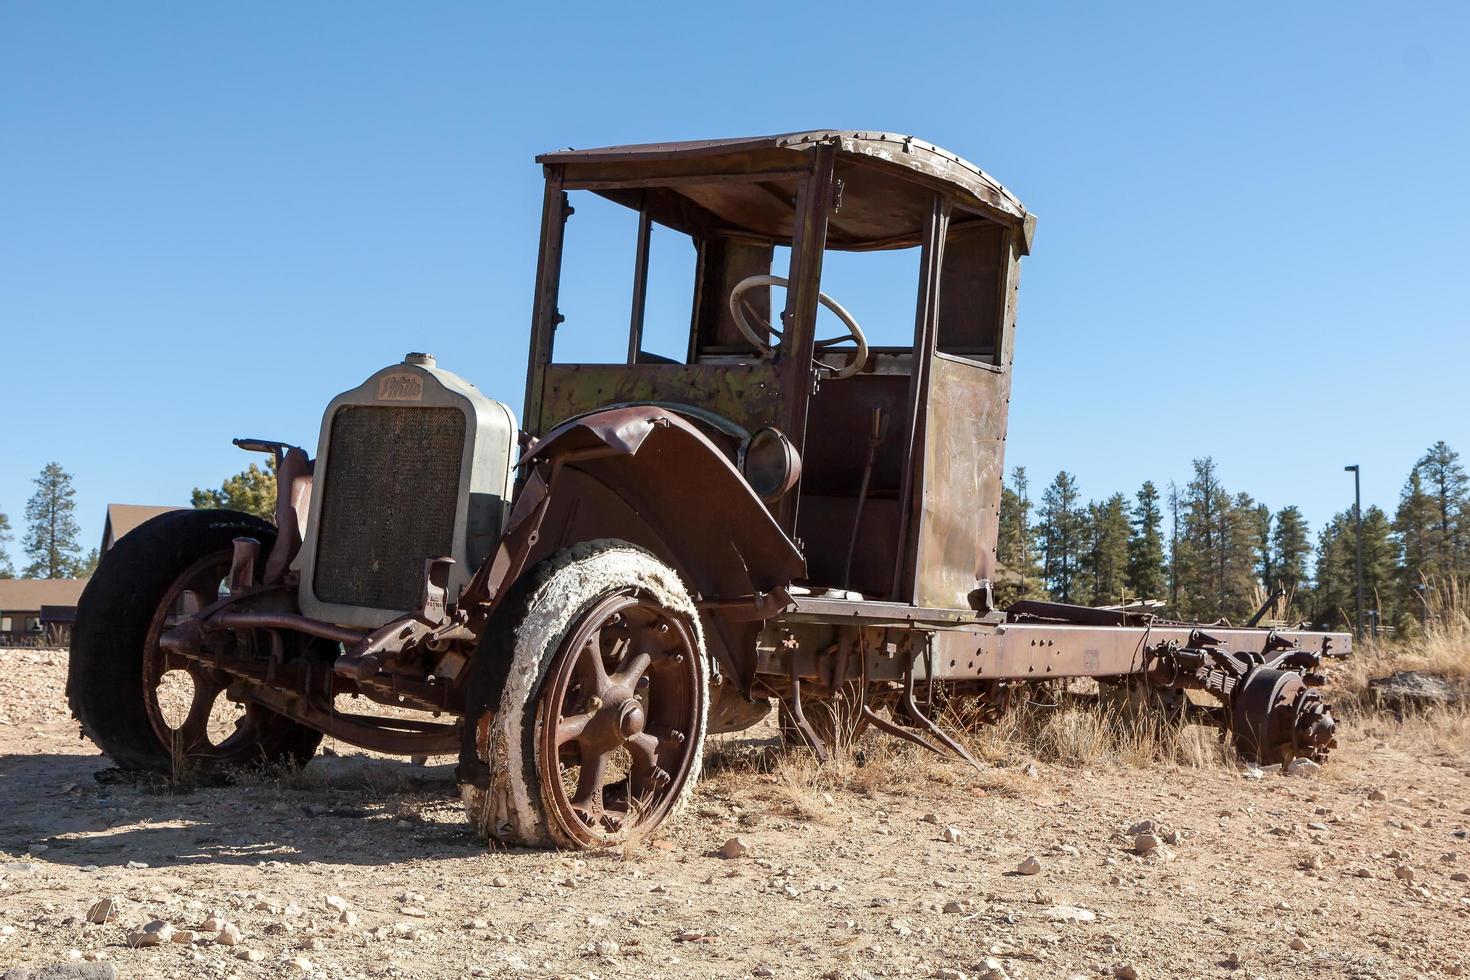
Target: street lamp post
1358, 520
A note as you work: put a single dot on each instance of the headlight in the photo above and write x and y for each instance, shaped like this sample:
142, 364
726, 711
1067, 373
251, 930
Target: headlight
770, 463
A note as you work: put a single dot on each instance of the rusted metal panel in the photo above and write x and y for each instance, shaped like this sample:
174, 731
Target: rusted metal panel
676, 480
747, 394
920, 161
963, 459
964, 463
1035, 652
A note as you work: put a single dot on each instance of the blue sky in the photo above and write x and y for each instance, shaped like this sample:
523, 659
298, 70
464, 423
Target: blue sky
1252, 240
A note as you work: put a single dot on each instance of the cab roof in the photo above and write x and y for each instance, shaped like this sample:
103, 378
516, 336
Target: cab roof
747, 185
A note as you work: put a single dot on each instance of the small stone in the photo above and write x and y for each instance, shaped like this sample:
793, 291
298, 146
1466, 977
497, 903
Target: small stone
1404, 872
1143, 827
1146, 843
348, 917
480, 924
956, 907
1125, 971
1232, 959
229, 935
735, 847
606, 948
1174, 837
1030, 866
335, 902
301, 964
212, 924
1070, 913
102, 910
949, 973
1460, 876
1302, 767
931, 818
185, 936
1030, 771
500, 881
1377, 795
413, 911
1299, 944
951, 835
1253, 772
249, 955
137, 865
154, 933
991, 968
901, 926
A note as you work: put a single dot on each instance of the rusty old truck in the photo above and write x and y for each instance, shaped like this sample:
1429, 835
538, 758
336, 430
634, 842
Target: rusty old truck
665, 544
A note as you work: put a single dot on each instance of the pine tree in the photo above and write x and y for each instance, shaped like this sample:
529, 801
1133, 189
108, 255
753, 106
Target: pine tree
1146, 573
1333, 598
1174, 522
1445, 482
1381, 584
1203, 555
251, 491
1290, 548
1105, 566
51, 539
1020, 576
1261, 524
1061, 529
6, 569
1240, 559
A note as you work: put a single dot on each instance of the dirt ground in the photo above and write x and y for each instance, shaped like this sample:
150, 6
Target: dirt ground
1358, 871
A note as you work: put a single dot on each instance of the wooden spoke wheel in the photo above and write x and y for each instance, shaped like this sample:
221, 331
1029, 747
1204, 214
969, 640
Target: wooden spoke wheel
589, 701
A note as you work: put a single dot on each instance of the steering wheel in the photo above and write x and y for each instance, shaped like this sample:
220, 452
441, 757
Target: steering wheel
744, 314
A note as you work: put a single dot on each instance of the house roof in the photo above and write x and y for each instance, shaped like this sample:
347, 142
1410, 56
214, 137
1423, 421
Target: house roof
30, 594
122, 518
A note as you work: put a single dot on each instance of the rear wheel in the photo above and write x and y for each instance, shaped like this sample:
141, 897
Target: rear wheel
152, 710
597, 676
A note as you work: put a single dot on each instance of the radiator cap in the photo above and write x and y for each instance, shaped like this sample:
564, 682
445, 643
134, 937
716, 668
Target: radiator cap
420, 358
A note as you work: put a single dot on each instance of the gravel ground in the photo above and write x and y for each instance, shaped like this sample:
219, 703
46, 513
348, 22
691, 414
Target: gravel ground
364, 867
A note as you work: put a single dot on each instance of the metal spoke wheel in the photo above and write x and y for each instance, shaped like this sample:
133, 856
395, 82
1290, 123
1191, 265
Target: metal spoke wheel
588, 703
155, 711
618, 708
182, 696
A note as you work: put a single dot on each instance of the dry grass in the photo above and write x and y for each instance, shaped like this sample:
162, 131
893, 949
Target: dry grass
1441, 646
1088, 731
1078, 731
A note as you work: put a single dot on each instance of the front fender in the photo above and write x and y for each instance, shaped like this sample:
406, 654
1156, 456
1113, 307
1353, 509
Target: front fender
704, 514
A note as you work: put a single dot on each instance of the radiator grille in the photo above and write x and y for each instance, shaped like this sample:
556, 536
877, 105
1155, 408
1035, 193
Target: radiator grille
392, 485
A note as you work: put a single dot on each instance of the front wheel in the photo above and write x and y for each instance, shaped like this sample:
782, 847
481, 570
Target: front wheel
594, 687
156, 711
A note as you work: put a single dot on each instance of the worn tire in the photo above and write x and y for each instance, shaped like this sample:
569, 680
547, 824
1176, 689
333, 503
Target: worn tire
105, 677
536, 620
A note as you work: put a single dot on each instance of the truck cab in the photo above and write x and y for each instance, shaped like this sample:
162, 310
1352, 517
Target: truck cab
898, 439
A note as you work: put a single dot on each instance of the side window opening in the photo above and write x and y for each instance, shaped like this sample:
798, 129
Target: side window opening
879, 289
598, 275
971, 291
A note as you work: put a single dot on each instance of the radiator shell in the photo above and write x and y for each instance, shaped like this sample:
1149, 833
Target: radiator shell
424, 467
